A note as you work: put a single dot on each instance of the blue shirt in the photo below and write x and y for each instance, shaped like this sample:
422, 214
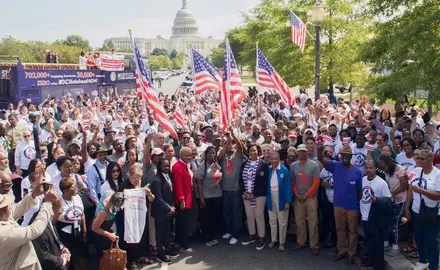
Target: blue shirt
346, 185
94, 180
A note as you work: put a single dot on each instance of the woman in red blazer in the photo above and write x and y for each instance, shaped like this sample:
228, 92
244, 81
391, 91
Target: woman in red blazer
182, 177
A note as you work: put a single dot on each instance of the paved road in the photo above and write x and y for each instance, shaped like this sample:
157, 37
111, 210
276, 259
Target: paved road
225, 256
169, 86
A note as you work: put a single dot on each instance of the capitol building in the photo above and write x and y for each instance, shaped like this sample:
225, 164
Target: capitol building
185, 35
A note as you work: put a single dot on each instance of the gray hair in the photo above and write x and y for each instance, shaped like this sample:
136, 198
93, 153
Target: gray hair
117, 199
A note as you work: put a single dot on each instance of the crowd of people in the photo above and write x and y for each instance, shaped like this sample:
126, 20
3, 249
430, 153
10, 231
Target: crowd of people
317, 169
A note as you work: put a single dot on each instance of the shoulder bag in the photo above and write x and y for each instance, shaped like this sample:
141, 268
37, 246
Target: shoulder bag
427, 215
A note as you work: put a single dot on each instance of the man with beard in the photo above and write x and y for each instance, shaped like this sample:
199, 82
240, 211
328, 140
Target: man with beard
231, 159
109, 137
201, 147
347, 193
119, 154
359, 152
268, 139
333, 133
255, 136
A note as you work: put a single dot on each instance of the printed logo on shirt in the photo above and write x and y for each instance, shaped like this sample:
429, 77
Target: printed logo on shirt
359, 159
421, 183
367, 192
73, 213
28, 152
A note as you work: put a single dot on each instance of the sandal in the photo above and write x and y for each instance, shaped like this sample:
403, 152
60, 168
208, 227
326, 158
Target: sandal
414, 255
339, 257
133, 266
281, 248
409, 249
272, 244
145, 260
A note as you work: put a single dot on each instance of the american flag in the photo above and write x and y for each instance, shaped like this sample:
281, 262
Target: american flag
150, 93
232, 87
298, 31
206, 77
178, 116
268, 77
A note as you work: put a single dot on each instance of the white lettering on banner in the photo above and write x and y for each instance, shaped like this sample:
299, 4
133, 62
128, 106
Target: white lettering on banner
112, 62
71, 81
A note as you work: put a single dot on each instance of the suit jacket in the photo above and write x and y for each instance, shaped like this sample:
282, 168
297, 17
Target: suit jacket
16, 249
48, 250
260, 188
163, 194
182, 184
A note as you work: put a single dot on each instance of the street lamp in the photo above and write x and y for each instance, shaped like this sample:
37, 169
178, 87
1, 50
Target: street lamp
318, 15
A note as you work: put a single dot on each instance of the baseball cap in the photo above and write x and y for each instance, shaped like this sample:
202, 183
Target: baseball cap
6, 200
346, 150
157, 152
302, 147
293, 134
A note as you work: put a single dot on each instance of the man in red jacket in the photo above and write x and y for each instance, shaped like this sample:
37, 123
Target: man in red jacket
182, 177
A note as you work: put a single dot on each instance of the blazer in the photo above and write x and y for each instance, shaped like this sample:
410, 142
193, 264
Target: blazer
48, 250
16, 249
182, 184
260, 187
285, 191
163, 194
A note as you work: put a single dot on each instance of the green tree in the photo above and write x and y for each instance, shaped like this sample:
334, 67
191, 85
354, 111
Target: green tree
160, 62
177, 64
405, 51
158, 51
76, 41
217, 57
342, 33
173, 54
108, 47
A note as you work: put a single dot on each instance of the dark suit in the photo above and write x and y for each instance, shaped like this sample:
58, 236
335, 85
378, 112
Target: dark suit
48, 249
160, 208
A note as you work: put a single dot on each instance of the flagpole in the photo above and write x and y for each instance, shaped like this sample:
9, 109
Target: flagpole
256, 63
228, 84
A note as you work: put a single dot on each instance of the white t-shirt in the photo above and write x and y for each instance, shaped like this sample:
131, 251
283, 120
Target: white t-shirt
328, 177
31, 211
408, 164
72, 213
135, 211
26, 184
377, 188
429, 182
359, 157
52, 169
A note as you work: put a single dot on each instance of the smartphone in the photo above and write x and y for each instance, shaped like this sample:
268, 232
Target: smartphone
47, 186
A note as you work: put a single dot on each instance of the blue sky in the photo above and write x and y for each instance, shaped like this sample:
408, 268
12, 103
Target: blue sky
96, 20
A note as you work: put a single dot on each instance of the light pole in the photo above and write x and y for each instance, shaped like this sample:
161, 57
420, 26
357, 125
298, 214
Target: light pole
318, 15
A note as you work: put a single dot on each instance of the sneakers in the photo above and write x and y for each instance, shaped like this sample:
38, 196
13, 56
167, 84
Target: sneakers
188, 251
172, 254
249, 241
260, 245
420, 266
164, 259
226, 236
211, 243
233, 241
393, 252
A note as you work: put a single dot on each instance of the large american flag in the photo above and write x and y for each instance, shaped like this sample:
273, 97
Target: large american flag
178, 116
232, 87
268, 77
146, 86
298, 31
206, 77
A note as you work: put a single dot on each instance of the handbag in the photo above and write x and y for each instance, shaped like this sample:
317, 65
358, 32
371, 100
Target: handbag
113, 258
427, 215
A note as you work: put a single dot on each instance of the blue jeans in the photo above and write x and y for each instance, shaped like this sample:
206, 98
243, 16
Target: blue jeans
427, 240
233, 211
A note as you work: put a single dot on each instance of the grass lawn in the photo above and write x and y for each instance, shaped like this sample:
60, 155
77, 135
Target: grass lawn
248, 79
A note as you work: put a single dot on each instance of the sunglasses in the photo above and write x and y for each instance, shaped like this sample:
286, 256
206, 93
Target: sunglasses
115, 171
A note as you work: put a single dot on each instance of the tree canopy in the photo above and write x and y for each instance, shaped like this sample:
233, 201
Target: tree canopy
405, 50
158, 51
342, 34
76, 41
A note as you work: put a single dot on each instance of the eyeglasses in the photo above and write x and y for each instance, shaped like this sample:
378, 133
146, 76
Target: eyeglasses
115, 171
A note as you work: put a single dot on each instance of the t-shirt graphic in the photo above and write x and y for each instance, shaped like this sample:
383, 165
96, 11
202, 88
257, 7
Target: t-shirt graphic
367, 192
